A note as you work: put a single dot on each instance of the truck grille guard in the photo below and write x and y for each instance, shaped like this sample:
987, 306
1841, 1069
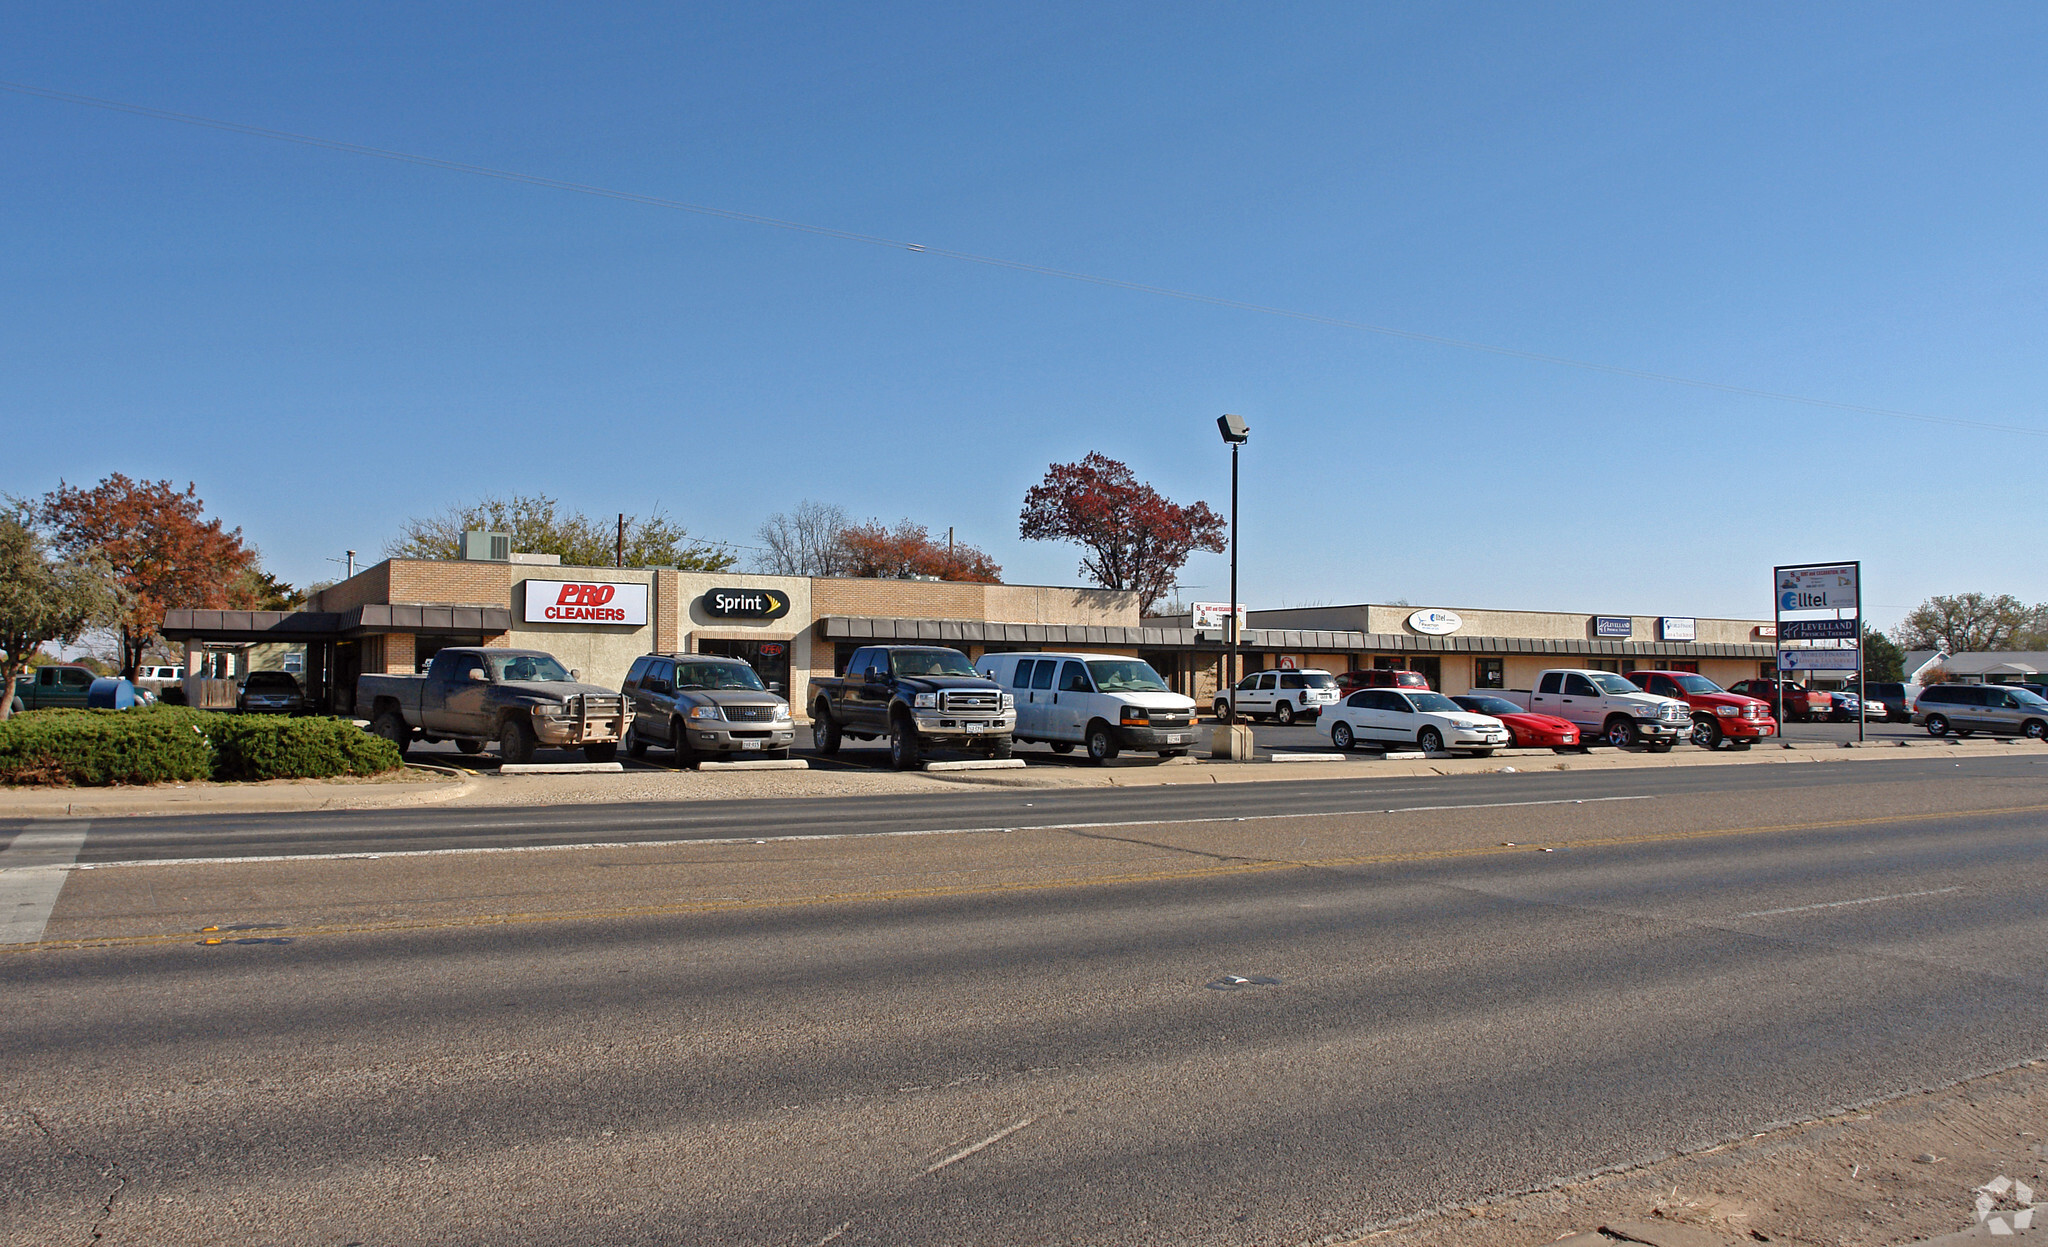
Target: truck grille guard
970, 701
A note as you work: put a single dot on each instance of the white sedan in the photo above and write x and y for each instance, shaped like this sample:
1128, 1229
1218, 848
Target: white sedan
1432, 721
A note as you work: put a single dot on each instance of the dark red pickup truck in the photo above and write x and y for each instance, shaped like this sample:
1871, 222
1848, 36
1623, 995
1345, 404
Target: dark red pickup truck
1717, 714
1802, 704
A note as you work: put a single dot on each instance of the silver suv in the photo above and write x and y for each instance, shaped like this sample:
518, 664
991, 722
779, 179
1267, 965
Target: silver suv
1996, 709
703, 705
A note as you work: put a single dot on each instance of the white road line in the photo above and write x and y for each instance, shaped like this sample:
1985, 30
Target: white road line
32, 872
965, 1152
1861, 900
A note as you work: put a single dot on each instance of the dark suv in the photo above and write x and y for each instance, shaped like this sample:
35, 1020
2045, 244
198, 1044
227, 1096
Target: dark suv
1898, 708
703, 705
1379, 677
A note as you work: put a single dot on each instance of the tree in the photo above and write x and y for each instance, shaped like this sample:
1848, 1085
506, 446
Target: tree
908, 550
1882, 660
809, 541
43, 600
539, 525
1972, 623
266, 592
162, 549
1136, 539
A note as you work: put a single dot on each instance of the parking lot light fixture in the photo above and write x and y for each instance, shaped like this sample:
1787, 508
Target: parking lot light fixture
1235, 433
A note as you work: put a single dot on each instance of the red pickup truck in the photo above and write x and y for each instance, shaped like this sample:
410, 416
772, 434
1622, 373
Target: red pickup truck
1717, 714
1802, 704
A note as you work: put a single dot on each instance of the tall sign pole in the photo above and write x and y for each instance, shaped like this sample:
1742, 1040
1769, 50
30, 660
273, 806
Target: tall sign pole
1810, 589
1233, 567
1862, 710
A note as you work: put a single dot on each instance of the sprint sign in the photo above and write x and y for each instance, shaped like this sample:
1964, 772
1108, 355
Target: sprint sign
572, 601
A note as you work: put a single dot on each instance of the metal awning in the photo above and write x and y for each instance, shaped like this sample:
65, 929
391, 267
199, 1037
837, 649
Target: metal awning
256, 627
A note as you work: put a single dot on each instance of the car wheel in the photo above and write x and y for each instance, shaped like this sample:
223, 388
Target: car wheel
515, 741
391, 726
1706, 733
1430, 740
1340, 735
636, 747
469, 746
826, 729
1937, 725
1283, 714
605, 752
1222, 709
1063, 746
1621, 733
2034, 729
679, 743
904, 751
1101, 745
1001, 747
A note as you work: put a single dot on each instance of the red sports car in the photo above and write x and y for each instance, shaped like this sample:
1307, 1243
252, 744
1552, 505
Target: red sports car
1530, 731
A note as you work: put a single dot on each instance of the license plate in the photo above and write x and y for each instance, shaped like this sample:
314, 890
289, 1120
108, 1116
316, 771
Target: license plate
1176, 740
750, 744
972, 728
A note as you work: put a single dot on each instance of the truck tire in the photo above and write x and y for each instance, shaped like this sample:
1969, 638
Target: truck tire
1102, 746
635, 747
391, 726
1222, 709
1621, 732
825, 728
1283, 714
905, 751
467, 745
606, 752
1002, 747
679, 743
515, 741
1706, 733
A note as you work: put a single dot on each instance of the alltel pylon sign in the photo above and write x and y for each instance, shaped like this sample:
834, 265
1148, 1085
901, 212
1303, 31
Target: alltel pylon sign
586, 602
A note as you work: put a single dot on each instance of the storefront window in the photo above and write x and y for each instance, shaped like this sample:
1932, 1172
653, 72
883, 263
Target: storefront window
769, 659
1604, 664
1488, 673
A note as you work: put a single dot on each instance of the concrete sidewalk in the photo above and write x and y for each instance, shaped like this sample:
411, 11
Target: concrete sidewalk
433, 786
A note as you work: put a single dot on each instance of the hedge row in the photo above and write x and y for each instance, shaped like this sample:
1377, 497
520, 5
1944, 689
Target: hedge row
169, 743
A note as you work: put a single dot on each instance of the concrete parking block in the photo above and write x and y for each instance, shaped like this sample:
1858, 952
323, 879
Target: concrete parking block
977, 764
758, 764
1309, 757
560, 768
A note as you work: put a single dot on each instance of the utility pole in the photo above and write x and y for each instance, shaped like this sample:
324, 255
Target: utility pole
619, 559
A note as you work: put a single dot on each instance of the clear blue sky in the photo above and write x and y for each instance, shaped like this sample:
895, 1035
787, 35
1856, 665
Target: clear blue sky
1843, 201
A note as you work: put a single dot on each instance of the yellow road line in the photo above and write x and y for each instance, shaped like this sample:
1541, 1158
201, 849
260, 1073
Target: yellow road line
996, 889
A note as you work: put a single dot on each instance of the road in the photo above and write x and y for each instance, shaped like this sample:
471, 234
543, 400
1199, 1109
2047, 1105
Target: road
1044, 1017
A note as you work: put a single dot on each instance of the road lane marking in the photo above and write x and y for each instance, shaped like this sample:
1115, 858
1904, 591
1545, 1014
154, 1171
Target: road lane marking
32, 872
376, 854
692, 908
970, 1150
1861, 900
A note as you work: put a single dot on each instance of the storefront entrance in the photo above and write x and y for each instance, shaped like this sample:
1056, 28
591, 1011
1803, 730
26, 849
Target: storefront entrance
769, 659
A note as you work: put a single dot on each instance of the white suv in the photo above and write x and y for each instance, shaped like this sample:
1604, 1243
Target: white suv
1284, 695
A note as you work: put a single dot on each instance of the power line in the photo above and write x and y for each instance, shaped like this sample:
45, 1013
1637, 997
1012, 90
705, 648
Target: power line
1021, 266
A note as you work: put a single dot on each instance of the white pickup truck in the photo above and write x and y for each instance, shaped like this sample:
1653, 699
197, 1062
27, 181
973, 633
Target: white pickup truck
1607, 708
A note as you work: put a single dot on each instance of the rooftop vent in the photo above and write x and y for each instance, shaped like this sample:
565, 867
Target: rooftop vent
481, 547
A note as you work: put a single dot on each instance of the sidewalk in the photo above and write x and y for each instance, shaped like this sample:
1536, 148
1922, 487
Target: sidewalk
433, 786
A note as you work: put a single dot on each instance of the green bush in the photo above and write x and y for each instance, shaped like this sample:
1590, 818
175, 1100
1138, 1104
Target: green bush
169, 743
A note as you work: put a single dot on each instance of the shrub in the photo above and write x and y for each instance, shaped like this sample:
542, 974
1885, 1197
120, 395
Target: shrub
169, 743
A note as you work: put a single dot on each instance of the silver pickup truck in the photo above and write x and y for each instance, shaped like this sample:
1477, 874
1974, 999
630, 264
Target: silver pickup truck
520, 698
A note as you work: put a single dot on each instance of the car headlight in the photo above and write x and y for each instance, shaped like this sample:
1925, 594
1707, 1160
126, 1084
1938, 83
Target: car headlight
925, 701
701, 713
1009, 702
1727, 712
1134, 716
781, 712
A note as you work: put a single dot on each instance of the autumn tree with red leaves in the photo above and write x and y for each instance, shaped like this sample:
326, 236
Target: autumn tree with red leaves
1136, 539
162, 549
871, 549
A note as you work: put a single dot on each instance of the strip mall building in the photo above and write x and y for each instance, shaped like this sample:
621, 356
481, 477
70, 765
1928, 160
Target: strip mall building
396, 615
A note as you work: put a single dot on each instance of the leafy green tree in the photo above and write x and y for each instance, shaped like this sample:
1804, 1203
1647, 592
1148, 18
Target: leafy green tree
540, 525
42, 600
1882, 660
1972, 623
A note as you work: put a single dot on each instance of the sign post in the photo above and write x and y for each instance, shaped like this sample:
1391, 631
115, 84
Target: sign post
1815, 587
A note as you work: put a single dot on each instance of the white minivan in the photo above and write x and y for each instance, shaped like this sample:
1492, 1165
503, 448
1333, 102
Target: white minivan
1102, 702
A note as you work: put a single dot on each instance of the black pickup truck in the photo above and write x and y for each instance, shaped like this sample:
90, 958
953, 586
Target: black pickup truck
916, 695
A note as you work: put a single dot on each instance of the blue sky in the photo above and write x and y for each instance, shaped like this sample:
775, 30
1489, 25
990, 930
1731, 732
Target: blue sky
1844, 202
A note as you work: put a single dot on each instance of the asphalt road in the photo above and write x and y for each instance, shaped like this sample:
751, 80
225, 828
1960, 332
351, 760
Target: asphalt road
1178, 1028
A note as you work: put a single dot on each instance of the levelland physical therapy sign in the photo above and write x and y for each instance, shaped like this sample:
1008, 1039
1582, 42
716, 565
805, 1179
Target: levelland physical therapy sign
573, 601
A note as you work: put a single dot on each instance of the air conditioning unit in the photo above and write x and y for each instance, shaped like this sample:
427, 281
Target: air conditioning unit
481, 547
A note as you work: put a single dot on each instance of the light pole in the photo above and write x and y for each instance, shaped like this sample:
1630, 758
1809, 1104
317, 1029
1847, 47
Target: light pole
1235, 433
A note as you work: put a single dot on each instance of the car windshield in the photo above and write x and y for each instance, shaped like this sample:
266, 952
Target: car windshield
1696, 683
1608, 682
1432, 703
528, 668
1125, 675
2032, 701
1488, 705
271, 679
717, 675
930, 662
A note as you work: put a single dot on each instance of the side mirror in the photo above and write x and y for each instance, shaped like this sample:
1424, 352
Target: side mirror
575, 673
776, 687
877, 677
479, 675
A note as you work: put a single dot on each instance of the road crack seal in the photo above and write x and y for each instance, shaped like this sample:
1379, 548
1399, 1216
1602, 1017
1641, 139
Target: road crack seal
105, 1168
1175, 848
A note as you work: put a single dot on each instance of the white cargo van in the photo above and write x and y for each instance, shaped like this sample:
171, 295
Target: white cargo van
1102, 702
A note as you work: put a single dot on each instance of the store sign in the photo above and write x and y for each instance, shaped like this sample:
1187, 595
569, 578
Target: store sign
1214, 616
1831, 588
1818, 630
1435, 623
745, 603
574, 601
1614, 625
1671, 628
1817, 660
1766, 632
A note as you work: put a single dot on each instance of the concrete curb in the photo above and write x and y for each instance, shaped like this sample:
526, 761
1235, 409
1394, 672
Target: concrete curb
977, 764
758, 764
1308, 757
562, 768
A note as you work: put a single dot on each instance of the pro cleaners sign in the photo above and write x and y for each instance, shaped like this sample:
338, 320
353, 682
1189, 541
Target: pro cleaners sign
576, 601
